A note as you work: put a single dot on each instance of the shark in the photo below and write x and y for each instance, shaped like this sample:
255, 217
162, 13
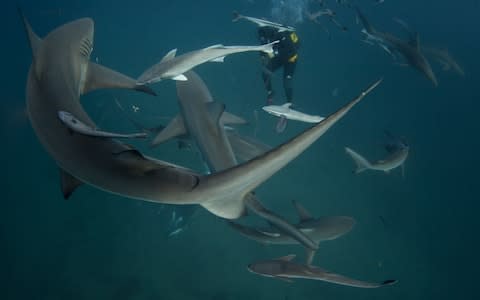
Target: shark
317, 229
262, 22
202, 119
61, 72
396, 158
411, 50
285, 269
284, 111
174, 67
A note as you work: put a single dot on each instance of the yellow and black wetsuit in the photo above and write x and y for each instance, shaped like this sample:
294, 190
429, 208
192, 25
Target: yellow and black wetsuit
285, 55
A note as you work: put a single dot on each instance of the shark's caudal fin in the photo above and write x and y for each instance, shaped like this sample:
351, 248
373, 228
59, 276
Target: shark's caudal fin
236, 16
362, 163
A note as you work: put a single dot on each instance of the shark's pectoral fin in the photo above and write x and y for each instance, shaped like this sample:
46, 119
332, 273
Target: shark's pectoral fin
180, 77
303, 214
175, 128
289, 257
220, 59
231, 119
68, 183
100, 77
216, 110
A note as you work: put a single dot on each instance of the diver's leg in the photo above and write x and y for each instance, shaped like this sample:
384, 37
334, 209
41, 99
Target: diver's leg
288, 71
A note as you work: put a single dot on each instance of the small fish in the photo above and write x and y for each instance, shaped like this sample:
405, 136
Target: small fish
284, 111
262, 22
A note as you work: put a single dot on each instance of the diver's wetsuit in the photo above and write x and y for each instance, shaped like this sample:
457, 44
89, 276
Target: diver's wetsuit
285, 54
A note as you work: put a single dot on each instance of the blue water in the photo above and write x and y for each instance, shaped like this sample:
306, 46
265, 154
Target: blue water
421, 229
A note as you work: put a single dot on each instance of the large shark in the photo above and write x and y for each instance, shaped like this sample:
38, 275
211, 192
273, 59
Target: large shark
318, 229
202, 119
61, 72
283, 268
174, 67
411, 50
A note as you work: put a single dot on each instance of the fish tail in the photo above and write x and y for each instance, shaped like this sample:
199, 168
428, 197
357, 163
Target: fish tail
236, 16
361, 162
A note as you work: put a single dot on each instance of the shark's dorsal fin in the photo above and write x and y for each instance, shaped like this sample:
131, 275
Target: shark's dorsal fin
288, 104
287, 257
34, 40
214, 46
100, 77
68, 183
171, 54
175, 128
216, 110
303, 214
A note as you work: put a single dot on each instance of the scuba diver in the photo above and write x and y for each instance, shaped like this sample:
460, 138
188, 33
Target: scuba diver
285, 55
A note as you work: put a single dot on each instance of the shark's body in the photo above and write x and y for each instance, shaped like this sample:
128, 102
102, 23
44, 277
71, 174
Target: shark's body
174, 67
202, 118
395, 159
286, 112
410, 50
283, 268
317, 229
262, 22
61, 72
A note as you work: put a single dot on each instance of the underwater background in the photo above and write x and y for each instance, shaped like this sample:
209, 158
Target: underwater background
421, 229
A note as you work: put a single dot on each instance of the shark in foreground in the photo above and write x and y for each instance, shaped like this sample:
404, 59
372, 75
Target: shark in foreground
174, 67
202, 118
318, 229
283, 268
284, 111
411, 50
398, 154
262, 22
61, 72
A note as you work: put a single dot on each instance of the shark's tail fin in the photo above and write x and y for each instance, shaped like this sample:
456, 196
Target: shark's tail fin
361, 162
236, 16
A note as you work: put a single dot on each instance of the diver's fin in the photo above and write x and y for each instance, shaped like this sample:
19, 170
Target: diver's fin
175, 128
100, 77
180, 77
303, 214
68, 183
216, 110
171, 54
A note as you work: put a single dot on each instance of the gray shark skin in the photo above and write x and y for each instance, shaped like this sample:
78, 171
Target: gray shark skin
393, 160
201, 116
283, 268
174, 67
410, 50
317, 229
61, 72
